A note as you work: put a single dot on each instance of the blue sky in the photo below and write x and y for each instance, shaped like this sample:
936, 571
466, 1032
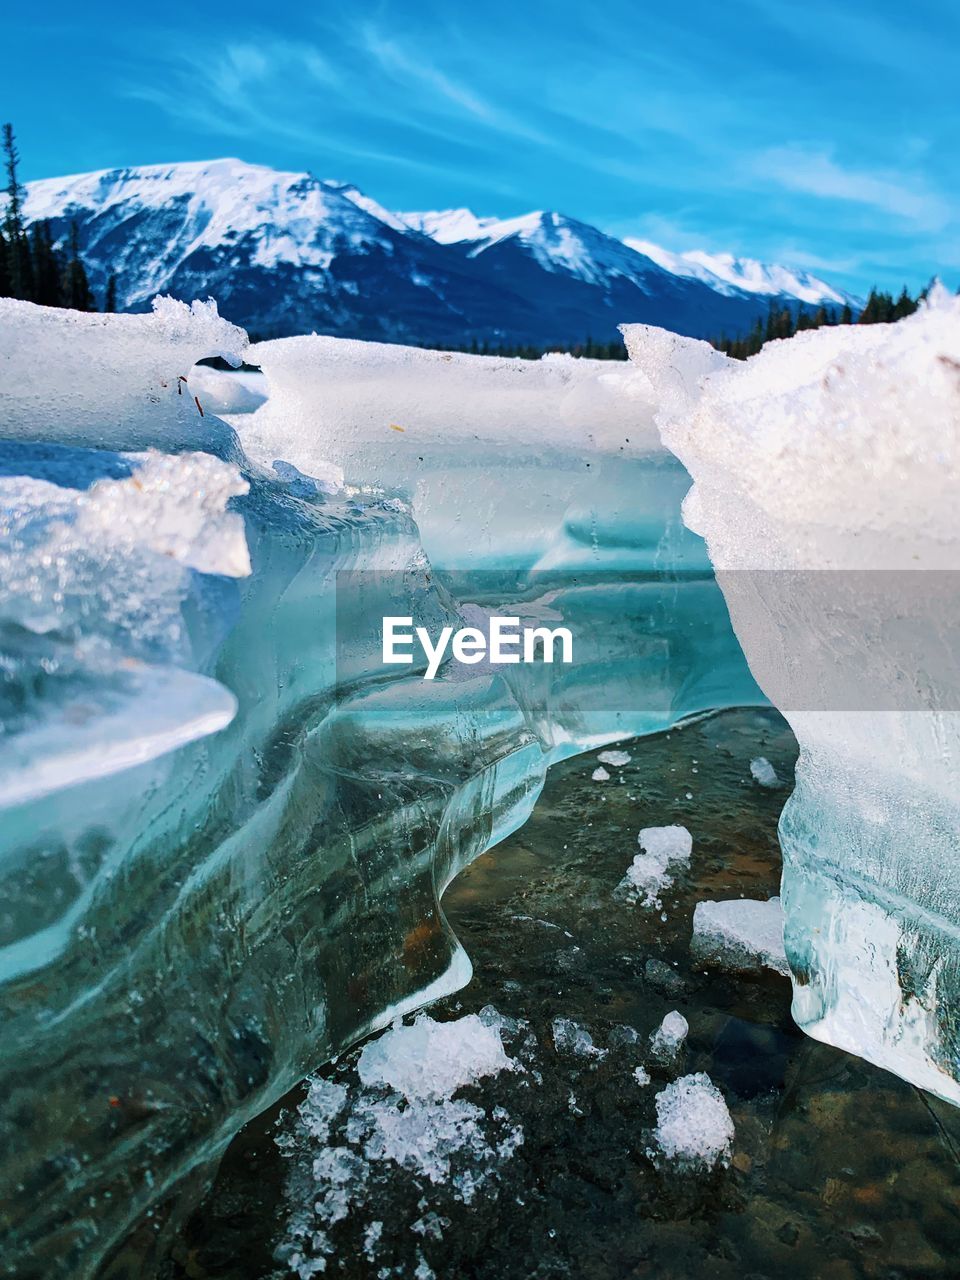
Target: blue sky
820, 134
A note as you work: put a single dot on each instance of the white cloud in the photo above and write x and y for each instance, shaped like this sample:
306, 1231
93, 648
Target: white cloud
816, 173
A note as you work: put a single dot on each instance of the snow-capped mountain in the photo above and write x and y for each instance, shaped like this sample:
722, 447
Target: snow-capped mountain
727, 274
556, 242
289, 253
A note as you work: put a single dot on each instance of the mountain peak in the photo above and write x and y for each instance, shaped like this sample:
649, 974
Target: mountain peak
732, 275
286, 252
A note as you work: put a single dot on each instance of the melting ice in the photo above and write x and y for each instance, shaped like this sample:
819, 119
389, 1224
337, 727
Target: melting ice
226, 827
825, 477
226, 830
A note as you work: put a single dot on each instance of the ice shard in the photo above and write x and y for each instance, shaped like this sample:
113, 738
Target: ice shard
225, 825
825, 479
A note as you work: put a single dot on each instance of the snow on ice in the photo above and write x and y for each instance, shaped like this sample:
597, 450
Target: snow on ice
664, 849
740, 934
694, 1127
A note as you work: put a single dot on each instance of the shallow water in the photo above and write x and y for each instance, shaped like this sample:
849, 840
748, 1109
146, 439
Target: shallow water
839, 1170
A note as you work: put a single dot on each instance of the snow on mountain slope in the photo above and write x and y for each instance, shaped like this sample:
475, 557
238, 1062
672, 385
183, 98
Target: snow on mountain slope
563, 243
288, 253
556, 242
289, 218
281, 252
449, 226
727, 274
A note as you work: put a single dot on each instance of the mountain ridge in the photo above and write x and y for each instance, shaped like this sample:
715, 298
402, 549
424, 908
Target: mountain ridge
286, 252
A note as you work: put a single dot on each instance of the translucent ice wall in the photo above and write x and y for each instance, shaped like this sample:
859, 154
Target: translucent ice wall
536, 486
532, 463
224, 826
826, 476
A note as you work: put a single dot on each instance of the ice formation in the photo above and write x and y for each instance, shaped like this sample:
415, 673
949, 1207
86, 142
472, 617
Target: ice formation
694, 1127
825, 477
740, 934
762, 771
667, 1041
664, 849
570, 1038
433, 1059
226, 828
228, 392
401, 1111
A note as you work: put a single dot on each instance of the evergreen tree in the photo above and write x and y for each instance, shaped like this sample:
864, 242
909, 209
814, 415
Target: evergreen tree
76, 287
31, 267
904, 305
18, 263
778, 323
5, 283
879, 308
47, 269
110, 299
871, 308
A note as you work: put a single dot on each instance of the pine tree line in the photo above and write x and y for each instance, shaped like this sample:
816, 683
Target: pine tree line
783, 322
591, 350
32, 267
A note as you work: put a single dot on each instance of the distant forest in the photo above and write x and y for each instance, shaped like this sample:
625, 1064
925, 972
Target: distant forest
784, 322
33, 268
30, 266
780, 321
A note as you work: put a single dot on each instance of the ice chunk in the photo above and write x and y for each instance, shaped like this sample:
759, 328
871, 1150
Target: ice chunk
325, 1100
694, 1127
424, 1271
616, 759
667, 1041
825, 474
622, 1035
119, 382
113, 561
641, 1075
740, 934
433, 1059
228, 392
340, 1173
763, 772
672, 844
600, 775
343, 401
570, 1037
650, 873
371, 1238
431, 1226
504, 462
346, 1135
422, 1137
